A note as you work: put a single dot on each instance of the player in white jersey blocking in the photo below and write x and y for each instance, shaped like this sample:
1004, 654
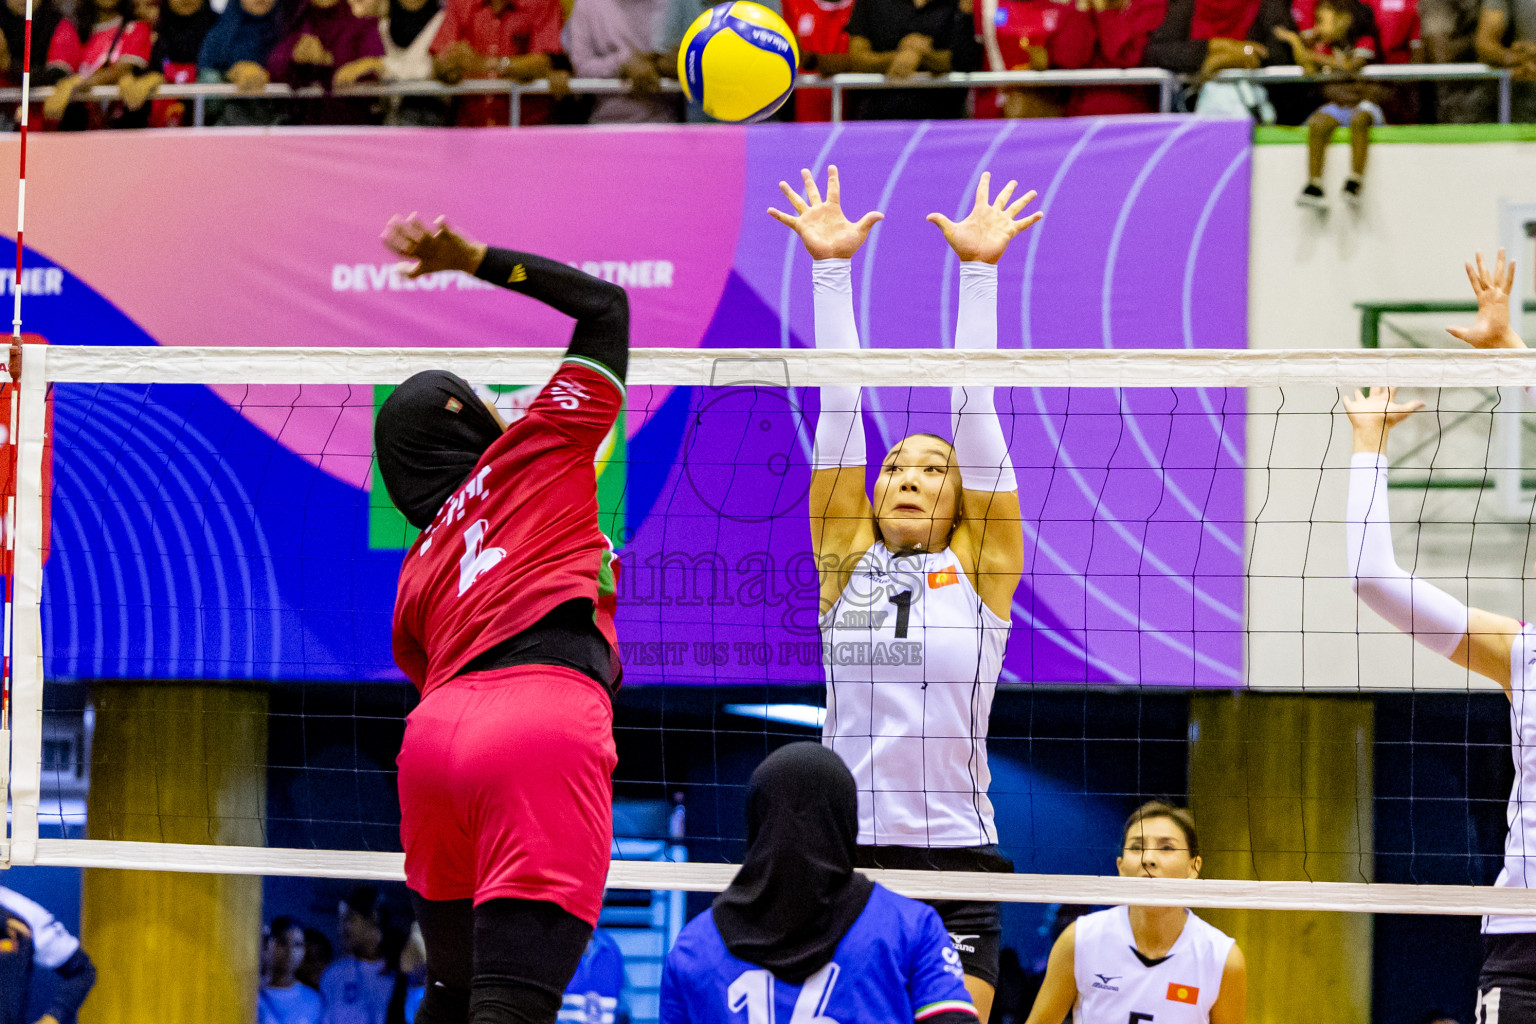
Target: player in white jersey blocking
917, 582
1146, 965
1496, 646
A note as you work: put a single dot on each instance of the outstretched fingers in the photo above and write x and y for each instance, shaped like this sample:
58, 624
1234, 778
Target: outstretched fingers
783, 218
1020, 226
984, 190
812, 193
1005, 195
868, 221
1019, 204
834, 186
942, 222
793, 197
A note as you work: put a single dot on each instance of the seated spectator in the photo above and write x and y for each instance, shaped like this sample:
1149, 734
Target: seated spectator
406, 32
13, 26
612, 39
317, 957
1448, 28
1515, 19
34, 938
1027, 35
512, 39
358, 987
1204, 37
282, 998
898, 38
179, 32
101, 45
329, 43
669, 39
1121, 31
236, 50
1342, 41
821, 31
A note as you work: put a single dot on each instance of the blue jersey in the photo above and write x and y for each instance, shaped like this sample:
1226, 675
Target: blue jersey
596, 991
895, 965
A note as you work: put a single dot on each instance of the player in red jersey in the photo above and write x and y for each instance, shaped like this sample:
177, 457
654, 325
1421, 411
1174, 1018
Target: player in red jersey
504, 621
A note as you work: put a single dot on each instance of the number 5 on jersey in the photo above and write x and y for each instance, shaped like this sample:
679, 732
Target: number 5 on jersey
753, 992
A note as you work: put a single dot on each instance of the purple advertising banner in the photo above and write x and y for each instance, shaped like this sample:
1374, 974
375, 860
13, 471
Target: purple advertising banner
237, 532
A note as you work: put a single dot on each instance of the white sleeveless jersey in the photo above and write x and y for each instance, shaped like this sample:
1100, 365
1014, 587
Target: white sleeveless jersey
912, 657
1519, 871
1114, 985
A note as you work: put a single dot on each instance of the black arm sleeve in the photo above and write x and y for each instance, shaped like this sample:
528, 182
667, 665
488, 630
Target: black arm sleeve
601, 310
1170, 46
77, 976
951, 1017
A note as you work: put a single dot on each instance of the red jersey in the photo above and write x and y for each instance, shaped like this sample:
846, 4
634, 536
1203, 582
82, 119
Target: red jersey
109, 43
1122, 36
820, 26
518, 538
1008, 28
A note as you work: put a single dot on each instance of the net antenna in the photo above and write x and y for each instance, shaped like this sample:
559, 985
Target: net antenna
13, 366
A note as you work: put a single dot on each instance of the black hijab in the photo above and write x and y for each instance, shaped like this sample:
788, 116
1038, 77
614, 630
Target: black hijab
179, 37
405, 25
429, 435
796, 894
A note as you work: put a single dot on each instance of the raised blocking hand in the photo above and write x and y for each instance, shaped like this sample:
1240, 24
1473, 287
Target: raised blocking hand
823, 228
984, 234
1492, 288
428, 250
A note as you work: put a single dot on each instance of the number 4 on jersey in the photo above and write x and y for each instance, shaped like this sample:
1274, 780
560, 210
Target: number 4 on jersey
474, 562
753, 992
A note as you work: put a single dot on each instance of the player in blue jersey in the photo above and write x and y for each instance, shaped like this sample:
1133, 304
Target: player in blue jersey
801, 937
30, 938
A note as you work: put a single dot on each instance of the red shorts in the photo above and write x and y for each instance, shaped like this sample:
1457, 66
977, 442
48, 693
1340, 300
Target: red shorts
506, 789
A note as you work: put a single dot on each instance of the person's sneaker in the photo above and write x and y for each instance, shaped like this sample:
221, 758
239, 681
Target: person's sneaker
1352, 191
1311, 197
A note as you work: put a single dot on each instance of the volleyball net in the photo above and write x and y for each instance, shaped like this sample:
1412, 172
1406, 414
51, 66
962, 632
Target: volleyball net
205, 566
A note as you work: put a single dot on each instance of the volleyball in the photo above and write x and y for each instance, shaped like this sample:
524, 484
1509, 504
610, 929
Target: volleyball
738, 61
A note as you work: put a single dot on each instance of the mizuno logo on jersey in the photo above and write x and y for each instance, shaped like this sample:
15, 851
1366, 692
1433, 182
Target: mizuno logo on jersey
518, 275
1104, 982
943, 578
963, 942
568, 394
1183, 994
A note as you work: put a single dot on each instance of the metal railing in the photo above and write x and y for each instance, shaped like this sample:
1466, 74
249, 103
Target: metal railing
1166, 82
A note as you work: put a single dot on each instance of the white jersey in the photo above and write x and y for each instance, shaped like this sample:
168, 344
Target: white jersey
912, 657
1519, 871
52, 945
1114, 984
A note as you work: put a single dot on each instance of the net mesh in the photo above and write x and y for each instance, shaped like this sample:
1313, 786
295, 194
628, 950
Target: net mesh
218, 564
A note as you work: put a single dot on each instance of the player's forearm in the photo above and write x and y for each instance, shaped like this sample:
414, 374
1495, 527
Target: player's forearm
840, 427
77, 976
600, 309
981, 450
870, 62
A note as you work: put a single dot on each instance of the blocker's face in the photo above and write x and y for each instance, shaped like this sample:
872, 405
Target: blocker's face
917, 494
1156, 848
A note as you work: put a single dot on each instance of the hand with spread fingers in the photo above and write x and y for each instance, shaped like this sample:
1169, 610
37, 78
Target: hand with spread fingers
429, 250
1373, 416
984, 234
1492, 288
821, 224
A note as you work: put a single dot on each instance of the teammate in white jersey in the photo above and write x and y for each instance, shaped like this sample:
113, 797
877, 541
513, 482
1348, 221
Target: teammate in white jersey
917, 584
1492, 645
1146, 965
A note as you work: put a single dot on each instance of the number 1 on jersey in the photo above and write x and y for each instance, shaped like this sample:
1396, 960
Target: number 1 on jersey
753, 991
903, 603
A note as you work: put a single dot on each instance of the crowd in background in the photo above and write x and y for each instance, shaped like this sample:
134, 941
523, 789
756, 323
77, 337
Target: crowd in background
137, 45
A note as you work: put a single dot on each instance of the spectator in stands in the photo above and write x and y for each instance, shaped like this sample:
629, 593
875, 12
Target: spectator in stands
236, 50
329, 43
34, 938
898, 38
13, 21
406, 32
669, 38
283, 999
1515, 19
821, 31
1448, 28
101, 45
612, 39
1342, 41
1024, 35
596, 991
179, 32
413, 975
358, 986
1203, 37
1122, 30
317, 957
515, 39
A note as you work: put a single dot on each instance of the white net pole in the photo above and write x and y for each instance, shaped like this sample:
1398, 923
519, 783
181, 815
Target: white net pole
26, 621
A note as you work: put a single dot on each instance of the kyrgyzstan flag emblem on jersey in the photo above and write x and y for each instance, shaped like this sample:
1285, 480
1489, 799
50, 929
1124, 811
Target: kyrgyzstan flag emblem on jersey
1183, 994
943, 578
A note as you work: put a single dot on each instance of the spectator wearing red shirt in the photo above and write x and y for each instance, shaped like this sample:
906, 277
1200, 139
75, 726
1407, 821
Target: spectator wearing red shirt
513, 39
1342, 41
1122, 29
179, 32
13, 23
99, 46
1203, 37
821, 30
1028, 35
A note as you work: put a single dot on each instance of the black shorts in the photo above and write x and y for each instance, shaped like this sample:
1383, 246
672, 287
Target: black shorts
975, 927
1506, 986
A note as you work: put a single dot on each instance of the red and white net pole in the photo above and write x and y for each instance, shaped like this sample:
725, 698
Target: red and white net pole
13, 365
